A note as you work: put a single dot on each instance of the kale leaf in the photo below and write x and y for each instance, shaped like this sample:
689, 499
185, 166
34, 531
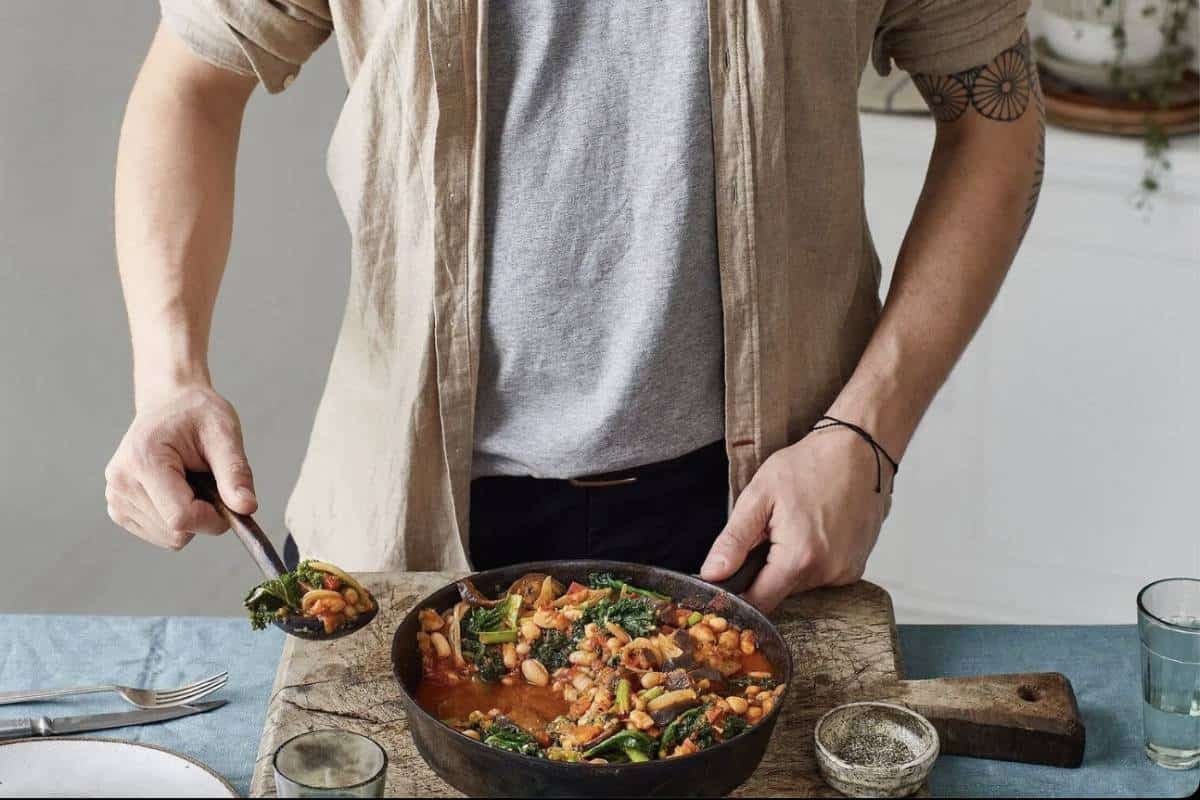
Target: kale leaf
634, 615
489, 660
606, 580
481, 619
504, 735
315, 578
623, 742
692, 724
265, 600
503, 616
552, 649
733, 726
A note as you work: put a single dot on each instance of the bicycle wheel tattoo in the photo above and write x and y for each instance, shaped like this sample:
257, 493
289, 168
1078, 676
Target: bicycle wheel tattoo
946, 95
1001, 92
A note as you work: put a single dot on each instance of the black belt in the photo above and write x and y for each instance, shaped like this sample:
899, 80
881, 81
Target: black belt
632, 475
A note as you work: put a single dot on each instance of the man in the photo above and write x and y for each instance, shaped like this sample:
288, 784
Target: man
610, 266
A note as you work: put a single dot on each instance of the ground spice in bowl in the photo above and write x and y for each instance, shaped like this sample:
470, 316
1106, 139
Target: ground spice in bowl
875, 749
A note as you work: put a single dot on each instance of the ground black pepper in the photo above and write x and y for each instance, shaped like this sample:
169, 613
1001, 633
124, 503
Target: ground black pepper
874, 750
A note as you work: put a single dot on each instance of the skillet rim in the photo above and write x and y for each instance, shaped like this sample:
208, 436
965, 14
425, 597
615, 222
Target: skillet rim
761, 622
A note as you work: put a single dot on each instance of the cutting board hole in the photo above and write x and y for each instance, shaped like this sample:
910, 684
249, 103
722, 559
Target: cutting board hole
1028, 693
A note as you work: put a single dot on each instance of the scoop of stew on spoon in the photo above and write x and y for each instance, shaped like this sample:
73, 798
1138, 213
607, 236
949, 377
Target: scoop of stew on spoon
290, 599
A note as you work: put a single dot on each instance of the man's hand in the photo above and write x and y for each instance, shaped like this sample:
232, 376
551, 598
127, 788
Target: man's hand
816, 503
195, 429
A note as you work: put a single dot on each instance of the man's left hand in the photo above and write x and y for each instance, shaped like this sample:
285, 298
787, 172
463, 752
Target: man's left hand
816, 503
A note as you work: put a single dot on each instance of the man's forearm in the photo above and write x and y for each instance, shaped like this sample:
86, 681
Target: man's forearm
174, 210
979, 195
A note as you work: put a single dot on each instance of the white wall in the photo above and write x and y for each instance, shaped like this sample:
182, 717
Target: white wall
66, 67
1057, 471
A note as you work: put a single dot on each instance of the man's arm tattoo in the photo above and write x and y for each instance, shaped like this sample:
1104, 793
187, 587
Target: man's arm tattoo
1000, 91
1039, 164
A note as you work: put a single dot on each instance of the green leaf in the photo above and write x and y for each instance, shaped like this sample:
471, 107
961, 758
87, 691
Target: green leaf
489, 661
606, 580
622, 742
481, 619
265, 600
679, 730
552, 648
733, 726
634, 615
507, 736
635, 755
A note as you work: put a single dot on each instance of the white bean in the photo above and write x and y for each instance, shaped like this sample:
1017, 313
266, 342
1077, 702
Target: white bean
530, 630
641, 720
652, 679
535, 672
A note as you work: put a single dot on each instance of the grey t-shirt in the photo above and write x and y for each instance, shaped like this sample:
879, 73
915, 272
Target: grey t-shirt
602, 340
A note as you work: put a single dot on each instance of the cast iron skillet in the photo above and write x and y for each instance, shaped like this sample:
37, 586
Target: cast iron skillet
482, 771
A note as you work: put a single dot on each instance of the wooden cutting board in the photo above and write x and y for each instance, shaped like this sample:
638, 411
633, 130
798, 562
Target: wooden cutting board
843, 644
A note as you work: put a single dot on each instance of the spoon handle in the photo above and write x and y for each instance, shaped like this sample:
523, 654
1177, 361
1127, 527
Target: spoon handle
247, 530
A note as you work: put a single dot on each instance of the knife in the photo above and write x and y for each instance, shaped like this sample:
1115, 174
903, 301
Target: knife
63, 726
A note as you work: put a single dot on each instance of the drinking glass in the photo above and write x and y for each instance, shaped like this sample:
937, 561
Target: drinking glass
1169, 626
330, 763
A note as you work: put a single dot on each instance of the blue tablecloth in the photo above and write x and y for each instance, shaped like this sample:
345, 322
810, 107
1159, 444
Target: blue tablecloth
1102, 663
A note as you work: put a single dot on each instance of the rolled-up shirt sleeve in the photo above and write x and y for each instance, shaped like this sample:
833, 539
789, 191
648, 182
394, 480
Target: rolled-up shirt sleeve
938, 37
269, 39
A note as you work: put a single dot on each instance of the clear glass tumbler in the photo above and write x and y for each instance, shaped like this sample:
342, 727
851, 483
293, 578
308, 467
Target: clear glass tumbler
330, 763
1169, 626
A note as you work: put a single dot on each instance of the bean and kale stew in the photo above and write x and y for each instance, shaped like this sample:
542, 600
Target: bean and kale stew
313, 589
598, 673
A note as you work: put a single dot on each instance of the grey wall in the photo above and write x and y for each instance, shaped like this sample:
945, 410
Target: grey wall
1027, 496
66, 68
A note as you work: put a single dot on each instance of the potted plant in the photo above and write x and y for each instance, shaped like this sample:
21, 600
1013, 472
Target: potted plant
1134, 51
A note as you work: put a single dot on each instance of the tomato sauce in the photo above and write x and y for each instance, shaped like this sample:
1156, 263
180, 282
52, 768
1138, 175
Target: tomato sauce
757, 662
531, 707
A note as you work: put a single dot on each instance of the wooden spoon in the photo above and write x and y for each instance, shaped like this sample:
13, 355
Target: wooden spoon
269, 563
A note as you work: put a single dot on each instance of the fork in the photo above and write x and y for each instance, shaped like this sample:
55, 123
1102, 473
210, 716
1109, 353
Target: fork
142, 698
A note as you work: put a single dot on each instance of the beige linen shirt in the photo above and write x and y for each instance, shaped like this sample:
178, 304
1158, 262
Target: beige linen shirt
385, 481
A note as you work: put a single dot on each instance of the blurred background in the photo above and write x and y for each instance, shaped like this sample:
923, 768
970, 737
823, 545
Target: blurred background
1055, 474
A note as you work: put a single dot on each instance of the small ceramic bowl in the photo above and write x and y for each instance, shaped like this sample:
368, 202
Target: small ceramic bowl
875, 749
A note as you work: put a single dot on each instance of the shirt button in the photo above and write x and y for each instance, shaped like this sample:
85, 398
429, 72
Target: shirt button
287, 79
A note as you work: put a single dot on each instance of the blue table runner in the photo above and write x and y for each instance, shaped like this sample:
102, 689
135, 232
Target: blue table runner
1102, 663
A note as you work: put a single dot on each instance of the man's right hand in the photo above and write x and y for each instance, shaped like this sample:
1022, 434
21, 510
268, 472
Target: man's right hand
192, 429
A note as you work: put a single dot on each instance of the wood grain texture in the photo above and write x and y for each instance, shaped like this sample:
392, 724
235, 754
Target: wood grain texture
843, 641
1028, 717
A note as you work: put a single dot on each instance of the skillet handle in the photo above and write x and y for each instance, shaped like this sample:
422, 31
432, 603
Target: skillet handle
741, 580
249, 534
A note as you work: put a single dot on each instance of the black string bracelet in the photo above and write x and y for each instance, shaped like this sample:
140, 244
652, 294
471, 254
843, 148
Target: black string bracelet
832, 422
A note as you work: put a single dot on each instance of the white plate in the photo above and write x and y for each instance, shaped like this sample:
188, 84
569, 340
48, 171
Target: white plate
102, 768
